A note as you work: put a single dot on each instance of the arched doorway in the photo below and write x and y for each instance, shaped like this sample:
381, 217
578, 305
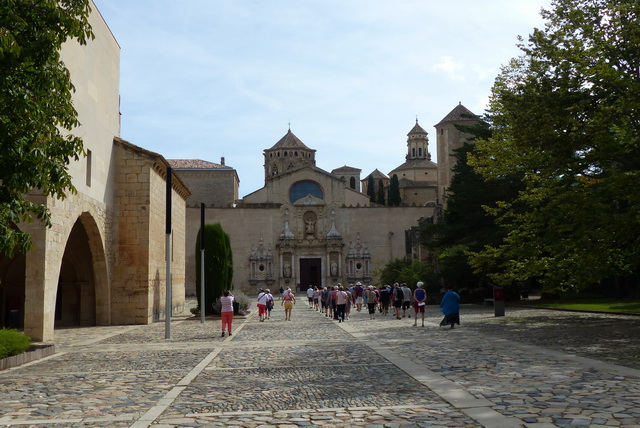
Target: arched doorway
76, 295
83, 297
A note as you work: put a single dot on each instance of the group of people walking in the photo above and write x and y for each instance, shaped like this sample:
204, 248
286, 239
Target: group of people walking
337, 301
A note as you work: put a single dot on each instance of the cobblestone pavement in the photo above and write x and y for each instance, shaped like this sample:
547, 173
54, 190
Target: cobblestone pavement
531, 368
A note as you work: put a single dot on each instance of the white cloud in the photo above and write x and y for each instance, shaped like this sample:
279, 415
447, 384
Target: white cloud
453, 69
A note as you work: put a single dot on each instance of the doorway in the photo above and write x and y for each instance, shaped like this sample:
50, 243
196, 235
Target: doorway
310, 273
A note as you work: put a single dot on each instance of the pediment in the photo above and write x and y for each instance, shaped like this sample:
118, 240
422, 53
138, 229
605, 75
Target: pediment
309, 200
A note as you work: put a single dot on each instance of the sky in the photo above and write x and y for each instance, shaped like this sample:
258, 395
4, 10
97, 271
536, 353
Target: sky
206, 79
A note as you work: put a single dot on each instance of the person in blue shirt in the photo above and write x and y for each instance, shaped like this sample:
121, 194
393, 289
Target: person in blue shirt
419, 302
450, 307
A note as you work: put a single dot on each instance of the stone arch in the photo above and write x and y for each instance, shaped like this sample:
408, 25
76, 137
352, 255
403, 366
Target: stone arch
83, 294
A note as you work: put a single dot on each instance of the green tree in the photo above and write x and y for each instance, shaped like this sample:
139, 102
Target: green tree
380, 196
566, 118
394, 191
36, 112
410, 271
466, 225
218, 265
371, 189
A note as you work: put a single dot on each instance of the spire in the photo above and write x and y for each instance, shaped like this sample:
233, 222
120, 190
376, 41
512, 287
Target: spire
417, 129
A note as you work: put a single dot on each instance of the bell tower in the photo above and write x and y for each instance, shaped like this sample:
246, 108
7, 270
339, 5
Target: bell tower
288, 154
450, 138
417, 143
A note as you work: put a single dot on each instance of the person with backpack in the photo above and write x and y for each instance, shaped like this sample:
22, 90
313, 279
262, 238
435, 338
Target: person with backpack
419, 302
406, 302
263, 298
288, 300
398, 297
269, 303
385, 297
325, 301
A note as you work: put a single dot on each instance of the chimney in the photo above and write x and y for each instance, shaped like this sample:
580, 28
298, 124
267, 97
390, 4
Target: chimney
222, 160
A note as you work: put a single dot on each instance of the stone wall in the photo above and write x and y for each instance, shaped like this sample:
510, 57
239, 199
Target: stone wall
157, 242
212, 187
381, 228
132, 228
418, 195
139, 279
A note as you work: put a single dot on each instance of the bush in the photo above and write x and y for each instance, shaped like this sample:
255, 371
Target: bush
13, 342
243, 300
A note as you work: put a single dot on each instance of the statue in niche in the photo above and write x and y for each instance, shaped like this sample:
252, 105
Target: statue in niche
334, 269
310, 226
287, 270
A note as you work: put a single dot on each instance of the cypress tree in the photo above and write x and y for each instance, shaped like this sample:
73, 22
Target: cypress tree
218, 265
394, 191
371, 189
380, 198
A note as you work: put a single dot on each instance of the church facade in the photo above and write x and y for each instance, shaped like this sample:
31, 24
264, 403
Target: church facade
309, 227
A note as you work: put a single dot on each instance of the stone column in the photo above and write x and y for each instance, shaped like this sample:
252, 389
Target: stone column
41, 282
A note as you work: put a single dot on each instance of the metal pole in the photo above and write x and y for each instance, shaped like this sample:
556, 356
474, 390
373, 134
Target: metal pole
168, 303
202, 300
202, 309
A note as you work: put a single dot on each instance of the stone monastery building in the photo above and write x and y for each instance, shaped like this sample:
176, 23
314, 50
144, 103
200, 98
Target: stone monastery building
308, 226
104, 259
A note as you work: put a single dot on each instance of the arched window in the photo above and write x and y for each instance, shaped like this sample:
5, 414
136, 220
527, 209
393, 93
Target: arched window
304, 188
352, 182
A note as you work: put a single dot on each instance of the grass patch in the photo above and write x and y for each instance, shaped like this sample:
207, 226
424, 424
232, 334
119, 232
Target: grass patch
600, 305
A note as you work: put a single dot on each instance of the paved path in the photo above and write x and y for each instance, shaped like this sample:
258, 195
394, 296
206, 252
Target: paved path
532, 368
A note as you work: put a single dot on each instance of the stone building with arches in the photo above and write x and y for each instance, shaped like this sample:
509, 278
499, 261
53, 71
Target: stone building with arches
102, 261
